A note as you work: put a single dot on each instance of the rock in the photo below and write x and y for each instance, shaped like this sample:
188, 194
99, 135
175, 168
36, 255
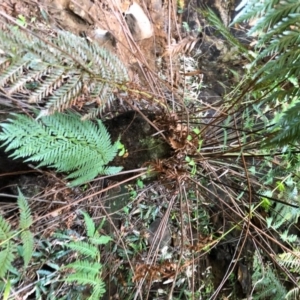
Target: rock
104, 38
83, 9
138, 23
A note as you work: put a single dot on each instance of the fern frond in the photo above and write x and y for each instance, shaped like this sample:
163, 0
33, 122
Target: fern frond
28, 246
290, 260
5, 230
98, 291
25, 213
266, 283
84, 249
84, 278
6, 258
293, 294
60, 69
87, 267
64, 142
89, 224
100, 240
289, 127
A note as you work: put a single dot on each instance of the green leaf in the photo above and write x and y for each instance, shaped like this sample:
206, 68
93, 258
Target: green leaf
101, 240
25, 214
90, 225
28, 246
62, 141
84, 248
6, 258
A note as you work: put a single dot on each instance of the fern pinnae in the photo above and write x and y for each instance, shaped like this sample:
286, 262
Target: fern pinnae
293, 294
84, 248
28, 246
83, 278
85, 68
13, 71
290, 260
5, 231
98, 291
53, 81
89, 224
25, 213
86, 267
7, 256
65, 96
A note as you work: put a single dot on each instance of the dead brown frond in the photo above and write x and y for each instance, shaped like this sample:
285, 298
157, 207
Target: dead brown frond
185, 46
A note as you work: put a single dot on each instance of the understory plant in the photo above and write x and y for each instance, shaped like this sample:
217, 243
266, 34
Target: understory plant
67, 264
64, 142
58, 72
10, 250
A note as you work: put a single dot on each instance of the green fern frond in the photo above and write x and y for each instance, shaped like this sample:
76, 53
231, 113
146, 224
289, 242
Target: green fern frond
25, 213
28, 246
84, 248
288, 127
89, 224
64, 142
279, 36
5, 230
6, 258
290, 260
293, 294
59, 70
266, 283
86, 267
98, 291
100, 240
83, 278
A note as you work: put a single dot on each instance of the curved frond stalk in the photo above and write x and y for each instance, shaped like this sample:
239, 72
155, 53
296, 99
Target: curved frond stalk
61, 71
62, 141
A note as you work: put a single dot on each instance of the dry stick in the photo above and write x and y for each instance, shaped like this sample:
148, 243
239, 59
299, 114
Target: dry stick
230, 270
192, 241
182, 243
254, 227
164, 220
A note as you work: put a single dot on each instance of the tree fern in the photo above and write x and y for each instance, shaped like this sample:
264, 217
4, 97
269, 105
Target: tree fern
62, 141
278, 30
60, 71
